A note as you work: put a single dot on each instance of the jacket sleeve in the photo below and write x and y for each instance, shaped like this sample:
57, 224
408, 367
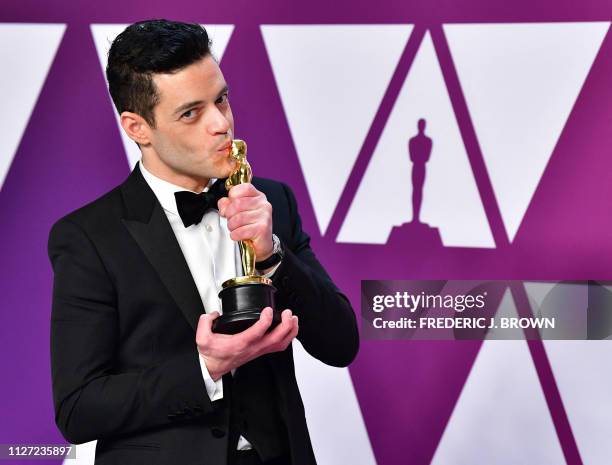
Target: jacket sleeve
328, 327
91, 399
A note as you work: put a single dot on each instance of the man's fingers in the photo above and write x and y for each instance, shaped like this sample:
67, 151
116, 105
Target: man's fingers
243, 190
296, 323
280, 332
244, 218
246, 232
282, 335
286, 315
257, 330
242, 204
222, 205
292, 334
293, 324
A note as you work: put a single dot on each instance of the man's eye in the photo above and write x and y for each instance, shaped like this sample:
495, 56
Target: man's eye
222, 99
189, 114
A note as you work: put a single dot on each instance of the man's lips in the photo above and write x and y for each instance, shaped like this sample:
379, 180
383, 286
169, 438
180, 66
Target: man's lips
225, 147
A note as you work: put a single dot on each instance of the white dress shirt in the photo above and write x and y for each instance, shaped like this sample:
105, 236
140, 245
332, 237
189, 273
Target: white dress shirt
211, 255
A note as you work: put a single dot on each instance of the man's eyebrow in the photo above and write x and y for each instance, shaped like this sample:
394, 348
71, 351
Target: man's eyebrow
187, 105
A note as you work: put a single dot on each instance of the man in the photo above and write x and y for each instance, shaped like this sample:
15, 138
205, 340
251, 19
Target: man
135, 363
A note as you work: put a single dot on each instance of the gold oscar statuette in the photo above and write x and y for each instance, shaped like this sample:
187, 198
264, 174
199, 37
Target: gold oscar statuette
243, 297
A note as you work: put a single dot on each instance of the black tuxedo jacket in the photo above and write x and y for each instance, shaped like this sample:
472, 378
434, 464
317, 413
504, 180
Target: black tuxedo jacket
124, 362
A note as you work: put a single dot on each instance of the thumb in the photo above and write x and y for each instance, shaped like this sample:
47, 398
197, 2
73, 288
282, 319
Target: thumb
205, 322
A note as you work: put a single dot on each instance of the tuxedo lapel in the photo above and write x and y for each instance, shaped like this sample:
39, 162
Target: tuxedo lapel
149, 226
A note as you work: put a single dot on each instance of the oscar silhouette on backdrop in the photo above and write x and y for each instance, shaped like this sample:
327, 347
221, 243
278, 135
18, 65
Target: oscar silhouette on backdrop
419, 148
416, 233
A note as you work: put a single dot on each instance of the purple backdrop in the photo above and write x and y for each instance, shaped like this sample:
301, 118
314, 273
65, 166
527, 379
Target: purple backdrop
71, 153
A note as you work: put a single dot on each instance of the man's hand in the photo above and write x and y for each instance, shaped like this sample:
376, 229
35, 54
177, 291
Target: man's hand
222, 352
249, 217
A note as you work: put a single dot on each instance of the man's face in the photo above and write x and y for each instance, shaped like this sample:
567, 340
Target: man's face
194, 122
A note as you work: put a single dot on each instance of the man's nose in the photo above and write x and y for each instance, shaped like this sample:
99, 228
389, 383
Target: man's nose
218, 122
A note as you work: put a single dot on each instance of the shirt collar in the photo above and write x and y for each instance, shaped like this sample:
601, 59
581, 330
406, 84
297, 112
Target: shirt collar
164, 190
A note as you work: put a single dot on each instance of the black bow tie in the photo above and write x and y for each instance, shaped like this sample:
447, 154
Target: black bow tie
191, 206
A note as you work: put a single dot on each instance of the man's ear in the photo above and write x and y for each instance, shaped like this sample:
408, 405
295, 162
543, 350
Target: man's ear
136, 127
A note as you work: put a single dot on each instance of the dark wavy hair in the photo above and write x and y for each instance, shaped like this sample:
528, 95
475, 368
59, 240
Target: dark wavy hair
146, 48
